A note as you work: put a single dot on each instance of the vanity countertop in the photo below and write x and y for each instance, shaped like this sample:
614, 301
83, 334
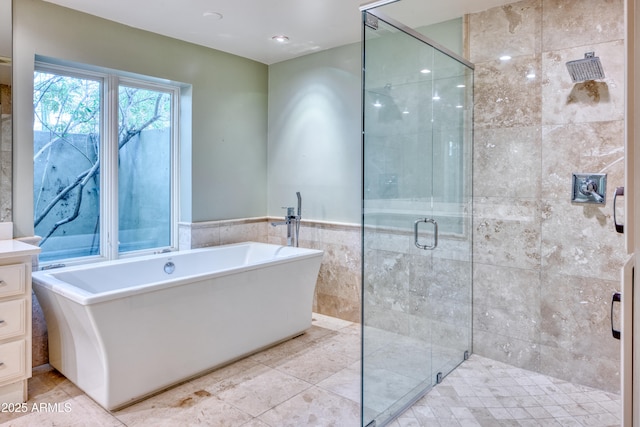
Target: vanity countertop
17, 248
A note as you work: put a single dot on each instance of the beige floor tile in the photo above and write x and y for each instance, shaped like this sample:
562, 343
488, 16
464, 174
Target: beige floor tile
212, 412
259, 389
182, 405
314, 407
315, 364
286, 350
255, 423
345, 383
328, 322
224, 373
56, 409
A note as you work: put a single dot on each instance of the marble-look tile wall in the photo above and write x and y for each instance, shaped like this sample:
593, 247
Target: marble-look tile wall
338, 287
544, 267
419, 294
216, 233
339, 281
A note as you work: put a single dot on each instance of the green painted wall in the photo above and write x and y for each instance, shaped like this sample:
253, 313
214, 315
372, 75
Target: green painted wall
314, 134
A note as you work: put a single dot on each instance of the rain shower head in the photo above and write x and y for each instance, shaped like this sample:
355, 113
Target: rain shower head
588, 68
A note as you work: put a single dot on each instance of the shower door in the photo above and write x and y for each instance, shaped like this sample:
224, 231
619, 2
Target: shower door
416, 296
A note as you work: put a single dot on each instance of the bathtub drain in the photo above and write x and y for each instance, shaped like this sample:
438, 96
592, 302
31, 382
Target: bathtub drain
169, 267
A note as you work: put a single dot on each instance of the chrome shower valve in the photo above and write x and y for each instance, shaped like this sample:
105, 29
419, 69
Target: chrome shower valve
589, 188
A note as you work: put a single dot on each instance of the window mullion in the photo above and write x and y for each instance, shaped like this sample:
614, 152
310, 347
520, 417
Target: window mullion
109, 170
175, 164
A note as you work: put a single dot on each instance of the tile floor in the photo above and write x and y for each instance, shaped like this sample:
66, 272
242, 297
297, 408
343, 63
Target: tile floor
483, 392
313, 380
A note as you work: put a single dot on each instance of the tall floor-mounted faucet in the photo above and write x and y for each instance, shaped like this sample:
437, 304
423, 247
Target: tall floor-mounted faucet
292, 221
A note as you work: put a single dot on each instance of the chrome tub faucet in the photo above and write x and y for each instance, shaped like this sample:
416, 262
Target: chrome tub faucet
292, 221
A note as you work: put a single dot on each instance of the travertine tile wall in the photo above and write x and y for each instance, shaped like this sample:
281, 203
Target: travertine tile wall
419, 294
545, 268
339, 281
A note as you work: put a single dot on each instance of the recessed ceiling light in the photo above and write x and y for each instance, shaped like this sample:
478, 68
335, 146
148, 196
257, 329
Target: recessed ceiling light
531, 75
280, 38
425, 71
212, 15
505, 58
461, 86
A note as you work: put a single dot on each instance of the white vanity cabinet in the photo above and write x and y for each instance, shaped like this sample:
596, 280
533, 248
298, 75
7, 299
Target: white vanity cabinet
15, 319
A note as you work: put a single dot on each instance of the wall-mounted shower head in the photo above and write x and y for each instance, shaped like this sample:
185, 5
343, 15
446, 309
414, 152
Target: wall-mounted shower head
588, 68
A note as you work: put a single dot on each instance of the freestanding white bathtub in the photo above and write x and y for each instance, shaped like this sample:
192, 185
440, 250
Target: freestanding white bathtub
121, 330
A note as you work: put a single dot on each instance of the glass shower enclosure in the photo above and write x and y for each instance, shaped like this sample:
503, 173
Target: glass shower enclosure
416, 239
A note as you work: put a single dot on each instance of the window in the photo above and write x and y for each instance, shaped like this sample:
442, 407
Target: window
104, 164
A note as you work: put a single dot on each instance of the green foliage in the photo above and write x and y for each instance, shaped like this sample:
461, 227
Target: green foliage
64, 105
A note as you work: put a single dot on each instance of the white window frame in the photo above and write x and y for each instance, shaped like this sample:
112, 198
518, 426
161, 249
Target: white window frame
109, 215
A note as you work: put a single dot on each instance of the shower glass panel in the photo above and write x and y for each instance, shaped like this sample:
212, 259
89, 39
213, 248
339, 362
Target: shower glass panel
417, 148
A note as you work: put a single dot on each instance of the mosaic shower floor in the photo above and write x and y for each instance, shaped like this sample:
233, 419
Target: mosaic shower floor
314, 380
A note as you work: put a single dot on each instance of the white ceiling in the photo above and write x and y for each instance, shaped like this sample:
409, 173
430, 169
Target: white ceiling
247, 26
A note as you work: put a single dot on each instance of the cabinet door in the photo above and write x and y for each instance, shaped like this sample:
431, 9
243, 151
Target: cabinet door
12, 280
12, 361
13, 319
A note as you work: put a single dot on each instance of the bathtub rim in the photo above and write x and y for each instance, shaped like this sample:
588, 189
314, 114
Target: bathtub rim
47, 278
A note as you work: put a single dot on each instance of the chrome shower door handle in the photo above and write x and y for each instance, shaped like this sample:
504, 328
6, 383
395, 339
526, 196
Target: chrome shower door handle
619, 192
435, 233
617, 297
